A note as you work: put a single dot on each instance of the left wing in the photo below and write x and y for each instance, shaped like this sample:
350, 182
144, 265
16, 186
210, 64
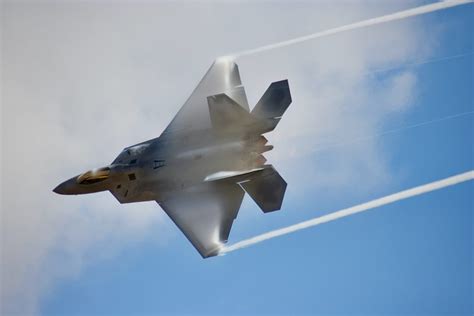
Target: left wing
222, 77
205, 213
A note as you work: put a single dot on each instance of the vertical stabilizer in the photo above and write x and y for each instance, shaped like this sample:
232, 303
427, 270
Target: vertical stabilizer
274, 101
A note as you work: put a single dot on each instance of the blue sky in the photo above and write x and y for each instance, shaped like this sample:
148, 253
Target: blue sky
412, 257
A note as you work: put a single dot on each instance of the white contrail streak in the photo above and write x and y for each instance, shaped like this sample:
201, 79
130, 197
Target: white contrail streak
383, 19
419, 63
436, 185
324, 146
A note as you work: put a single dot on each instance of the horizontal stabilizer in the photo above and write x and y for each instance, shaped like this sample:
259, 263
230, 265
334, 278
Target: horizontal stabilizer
225, 112
274, 101
267, 189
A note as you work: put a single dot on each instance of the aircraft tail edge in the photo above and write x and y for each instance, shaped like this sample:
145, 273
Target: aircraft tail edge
267, 189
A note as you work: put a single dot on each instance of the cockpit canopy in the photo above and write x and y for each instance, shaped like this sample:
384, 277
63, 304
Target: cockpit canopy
131, 154
94, 176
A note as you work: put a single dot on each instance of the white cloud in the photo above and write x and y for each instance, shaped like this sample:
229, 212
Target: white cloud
82, 80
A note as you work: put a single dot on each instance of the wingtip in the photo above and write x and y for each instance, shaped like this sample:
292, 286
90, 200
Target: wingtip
224, 59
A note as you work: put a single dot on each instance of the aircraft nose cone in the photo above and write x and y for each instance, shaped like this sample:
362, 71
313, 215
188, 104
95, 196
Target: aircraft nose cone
59, 189
67, 187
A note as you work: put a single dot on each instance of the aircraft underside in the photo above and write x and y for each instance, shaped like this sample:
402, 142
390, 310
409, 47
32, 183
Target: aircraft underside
204, 162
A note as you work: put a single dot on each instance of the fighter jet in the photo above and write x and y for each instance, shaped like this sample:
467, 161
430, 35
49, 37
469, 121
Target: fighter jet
200, 167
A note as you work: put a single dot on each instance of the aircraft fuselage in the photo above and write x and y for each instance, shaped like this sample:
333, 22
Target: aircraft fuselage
148, 171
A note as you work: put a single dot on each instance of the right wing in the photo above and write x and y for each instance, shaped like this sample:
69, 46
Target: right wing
205, 213
222, 77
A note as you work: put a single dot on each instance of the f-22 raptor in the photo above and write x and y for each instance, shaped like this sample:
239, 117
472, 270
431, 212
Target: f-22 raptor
200, 167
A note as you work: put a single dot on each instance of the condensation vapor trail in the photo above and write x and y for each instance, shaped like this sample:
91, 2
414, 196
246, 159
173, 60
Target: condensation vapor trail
323, 146
422, 189
419, 63
383, 19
